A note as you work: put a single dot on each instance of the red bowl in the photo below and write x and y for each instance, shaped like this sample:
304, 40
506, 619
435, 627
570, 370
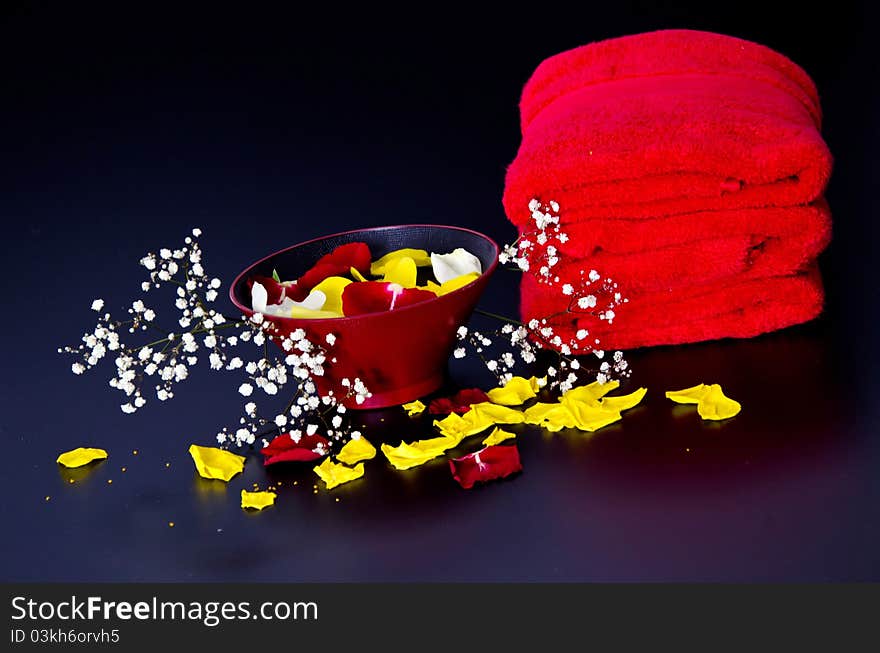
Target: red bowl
400, 355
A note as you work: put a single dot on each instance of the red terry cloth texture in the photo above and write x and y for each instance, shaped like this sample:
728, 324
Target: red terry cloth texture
737, 308
679, 159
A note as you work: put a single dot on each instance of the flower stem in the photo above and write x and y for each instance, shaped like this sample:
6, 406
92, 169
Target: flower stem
498, 317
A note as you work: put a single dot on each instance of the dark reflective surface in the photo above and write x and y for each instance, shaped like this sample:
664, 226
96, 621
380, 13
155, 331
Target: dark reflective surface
120, 141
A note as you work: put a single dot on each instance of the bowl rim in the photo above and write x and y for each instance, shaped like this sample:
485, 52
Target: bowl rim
299, 321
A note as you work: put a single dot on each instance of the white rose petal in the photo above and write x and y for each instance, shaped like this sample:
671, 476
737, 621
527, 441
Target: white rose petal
456, 263
259, 297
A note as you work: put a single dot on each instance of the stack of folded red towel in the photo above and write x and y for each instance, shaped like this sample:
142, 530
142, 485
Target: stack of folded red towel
689, 167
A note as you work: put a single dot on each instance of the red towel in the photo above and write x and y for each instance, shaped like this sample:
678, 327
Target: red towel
665, 123
661, 253
740, 308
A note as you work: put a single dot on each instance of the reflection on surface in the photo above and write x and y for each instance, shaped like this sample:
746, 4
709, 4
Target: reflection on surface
74, 475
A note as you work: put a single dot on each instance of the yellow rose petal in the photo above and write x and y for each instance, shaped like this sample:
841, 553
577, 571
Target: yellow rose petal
714, 405
591, 392
431, 286
419, 256
332, 288
589, 417
80, 456
553, 417
357, 275
456, 283
309, 314
515, 392
451, 425
334, 474
355, 451
405, 456
494, 414
623, 402
257, 500
498, 435
216, 463
414, 407
688, 395
401, 271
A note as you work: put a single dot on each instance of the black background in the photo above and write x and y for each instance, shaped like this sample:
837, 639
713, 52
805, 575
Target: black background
125, 126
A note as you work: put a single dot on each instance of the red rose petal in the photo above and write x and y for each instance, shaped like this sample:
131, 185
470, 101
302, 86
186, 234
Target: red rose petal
485, 465
284, 449
459, 403
275, 291
377, 296
337, 263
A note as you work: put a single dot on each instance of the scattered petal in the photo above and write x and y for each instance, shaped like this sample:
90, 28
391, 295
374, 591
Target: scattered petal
401, 271
591, 392
688, 395
405, 456
413, 407
284, 449
216, 463
460, 402
553, 417
419, 257
456, 283
81, 456
498, 435
715, 405
515, 392
624, 402
334, 474
455, 264
355, 451
257, 500
485, 465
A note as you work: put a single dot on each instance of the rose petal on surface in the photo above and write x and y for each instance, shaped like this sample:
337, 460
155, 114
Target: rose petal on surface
514, 393
498, 435
591, 417
715, 405
455, 264
591, 392
331, 288
460, 402
495, 414
553, 417
458, 282
419, 256
377, 296
257, 500
216, 463
688, 395
283, 449
401, 271
355, 451
80, 456
334, 474
413, 407
413, 454
336, 263
623, 402
485, 465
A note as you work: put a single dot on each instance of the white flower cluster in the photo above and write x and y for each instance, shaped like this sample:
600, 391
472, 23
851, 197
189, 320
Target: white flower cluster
204, 331
536, 252
308, 411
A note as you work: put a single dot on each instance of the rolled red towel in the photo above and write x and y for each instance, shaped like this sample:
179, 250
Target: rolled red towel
665, 123
739, 308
